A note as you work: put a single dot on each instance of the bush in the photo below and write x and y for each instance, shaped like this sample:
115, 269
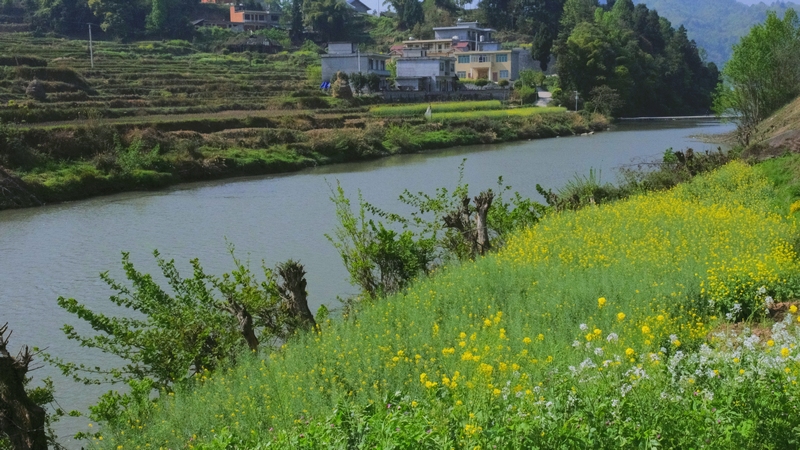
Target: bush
481, 82
526, 95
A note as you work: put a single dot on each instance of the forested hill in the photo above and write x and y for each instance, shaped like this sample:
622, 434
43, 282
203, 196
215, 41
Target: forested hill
715, 24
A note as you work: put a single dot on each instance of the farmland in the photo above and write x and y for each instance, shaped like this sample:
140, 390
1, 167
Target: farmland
151, 114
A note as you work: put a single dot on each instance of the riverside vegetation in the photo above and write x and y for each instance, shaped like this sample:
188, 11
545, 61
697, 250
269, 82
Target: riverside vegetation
153, 114
659, 319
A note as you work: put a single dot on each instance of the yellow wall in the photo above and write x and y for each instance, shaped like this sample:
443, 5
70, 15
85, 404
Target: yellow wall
473, 69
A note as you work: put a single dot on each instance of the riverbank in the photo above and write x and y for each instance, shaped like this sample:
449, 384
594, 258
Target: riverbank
70, 163
623, 322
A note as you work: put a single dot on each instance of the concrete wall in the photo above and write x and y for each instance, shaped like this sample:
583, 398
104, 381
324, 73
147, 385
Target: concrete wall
349, 64
340, 48
419, 67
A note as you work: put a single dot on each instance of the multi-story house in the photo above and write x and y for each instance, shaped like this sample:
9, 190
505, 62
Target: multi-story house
477, 55
492, 64
418, 71
255, 18
345, 57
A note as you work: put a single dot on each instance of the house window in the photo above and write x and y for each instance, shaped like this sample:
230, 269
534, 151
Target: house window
247, 17
275, 18
461, 74
501, 58
441, 67
480, 58
503, 74
383, 65
370, 64
261, 17
463, 59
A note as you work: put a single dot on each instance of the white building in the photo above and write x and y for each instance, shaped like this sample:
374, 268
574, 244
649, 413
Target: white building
416, 71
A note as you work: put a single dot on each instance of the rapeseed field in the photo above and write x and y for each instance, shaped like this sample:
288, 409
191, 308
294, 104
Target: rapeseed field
643, 323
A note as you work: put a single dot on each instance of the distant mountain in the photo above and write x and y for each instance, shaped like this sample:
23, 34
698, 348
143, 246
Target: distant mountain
716, 24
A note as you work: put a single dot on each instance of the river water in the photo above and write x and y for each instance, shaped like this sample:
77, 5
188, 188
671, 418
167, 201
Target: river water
59, 250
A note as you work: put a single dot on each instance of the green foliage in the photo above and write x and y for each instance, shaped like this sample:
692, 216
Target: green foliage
419, 109
334, 20
717, 25
379, 260
135, 157
526, 95
383, 261
395, 372
763, 75
173, 334
655, 69
409, 12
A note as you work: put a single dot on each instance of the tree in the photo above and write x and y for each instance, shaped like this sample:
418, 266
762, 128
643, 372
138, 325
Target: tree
120, 18
332, 19
24, 421
296, 26
763, 74
202, 322
409, 12
653, 68
604, 100
62, 16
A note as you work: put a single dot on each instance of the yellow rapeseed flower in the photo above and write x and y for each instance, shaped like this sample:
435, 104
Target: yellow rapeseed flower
785, 352
793, 309
621, 316
597, 332
646, 329
541, 336
629, 351
770, 343
527, 340
601, 302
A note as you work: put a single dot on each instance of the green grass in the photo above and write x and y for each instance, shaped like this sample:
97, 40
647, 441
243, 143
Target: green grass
785, 174
598, 328
494, 114
436, 108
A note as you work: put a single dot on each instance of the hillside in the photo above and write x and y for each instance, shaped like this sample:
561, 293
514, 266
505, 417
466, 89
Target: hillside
612, 324
716, 25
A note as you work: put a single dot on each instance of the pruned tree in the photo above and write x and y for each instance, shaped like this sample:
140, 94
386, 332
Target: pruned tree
22, 421
471, 222
295, 298
198, 324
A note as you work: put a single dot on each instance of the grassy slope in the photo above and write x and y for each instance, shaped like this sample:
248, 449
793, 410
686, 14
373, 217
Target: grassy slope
482, 354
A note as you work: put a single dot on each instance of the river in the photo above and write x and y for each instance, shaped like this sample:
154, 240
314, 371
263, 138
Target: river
59, 250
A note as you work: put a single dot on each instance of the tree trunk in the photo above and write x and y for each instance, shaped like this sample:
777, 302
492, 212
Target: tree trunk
22, 420
245, 320
460, 220
293, 292
482, 204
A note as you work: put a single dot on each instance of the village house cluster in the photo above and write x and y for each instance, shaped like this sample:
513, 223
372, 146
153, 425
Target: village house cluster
253, 19
464, 51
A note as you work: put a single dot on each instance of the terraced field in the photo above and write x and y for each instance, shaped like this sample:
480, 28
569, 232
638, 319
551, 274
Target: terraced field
150, 114
145, 78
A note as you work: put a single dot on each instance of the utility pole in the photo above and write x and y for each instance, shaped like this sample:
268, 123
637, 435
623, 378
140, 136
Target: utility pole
91, 50
576, 101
